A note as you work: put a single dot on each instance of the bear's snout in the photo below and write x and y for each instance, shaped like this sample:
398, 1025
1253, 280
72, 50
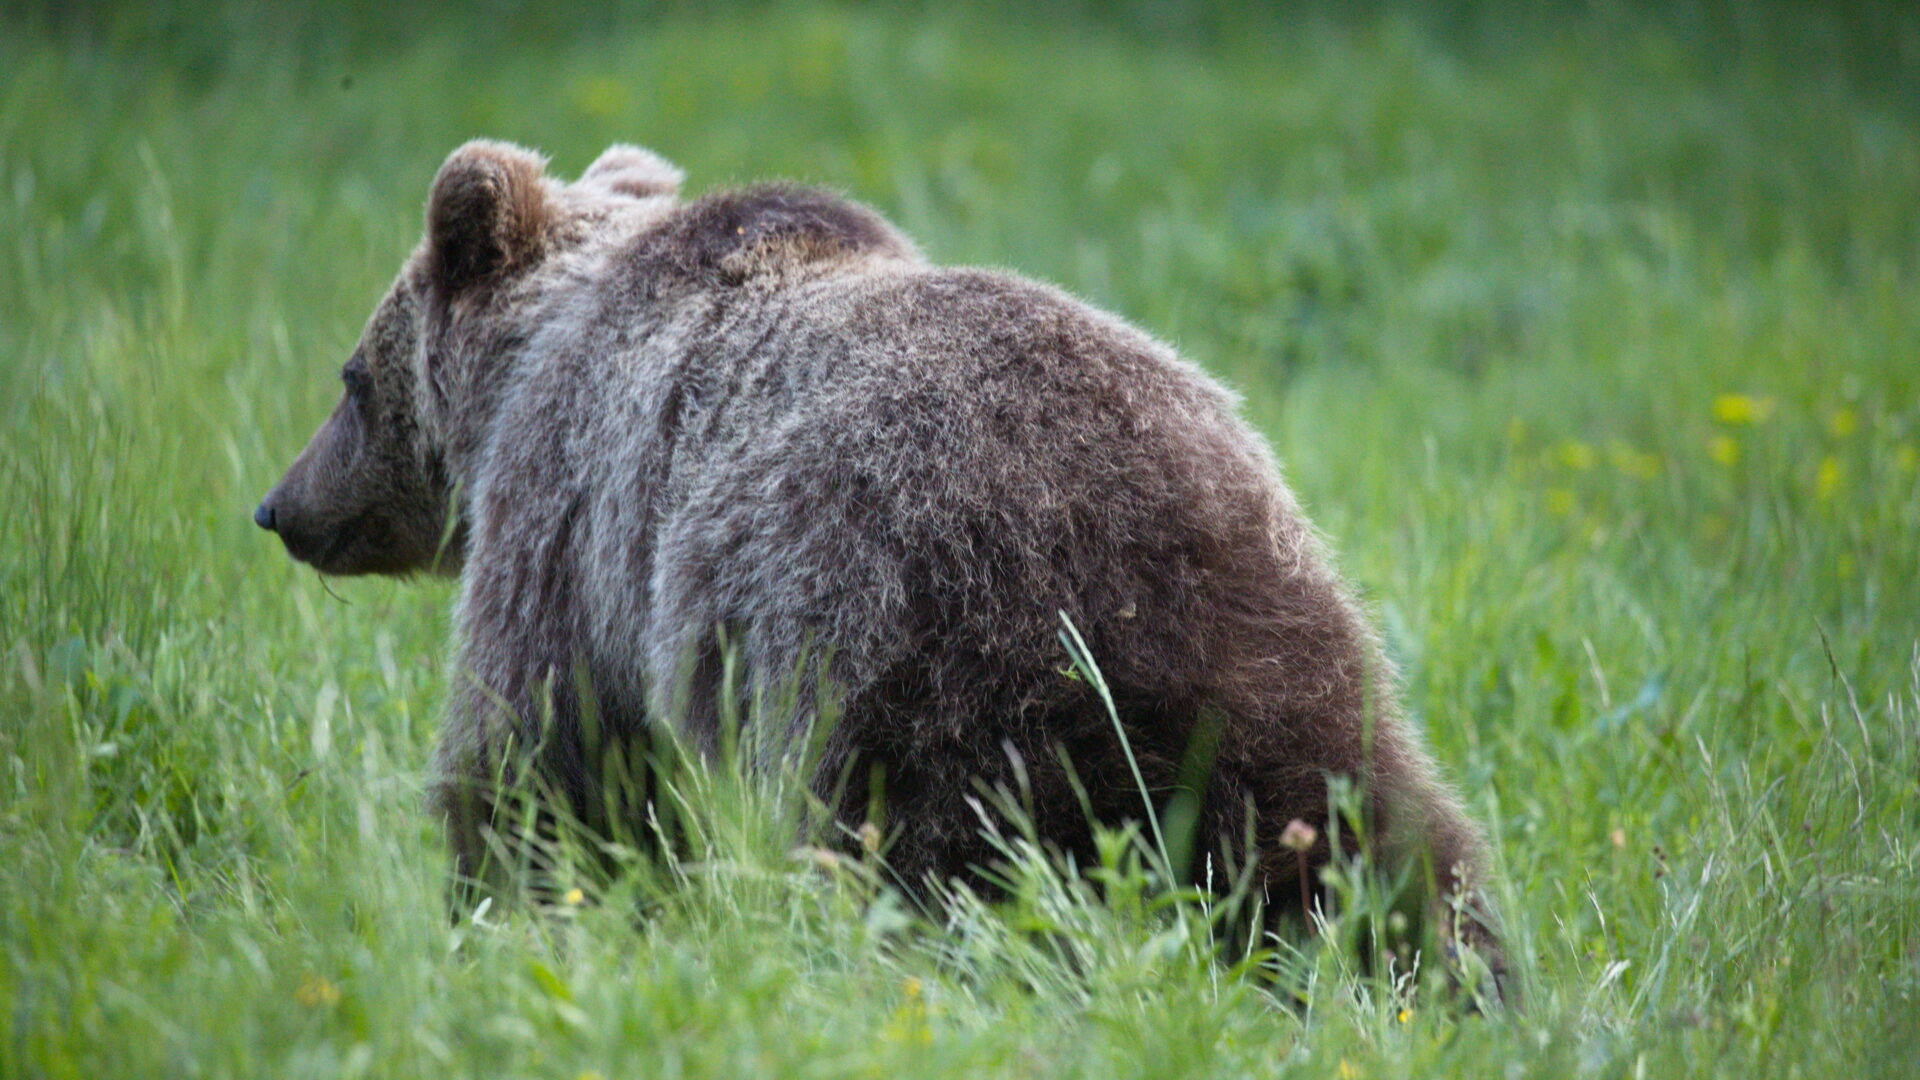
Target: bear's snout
287, 517
305, 539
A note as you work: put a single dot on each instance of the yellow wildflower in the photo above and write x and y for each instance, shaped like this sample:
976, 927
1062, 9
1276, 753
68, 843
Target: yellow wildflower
1577, 455
1724, 449
1843, 422
575, 897
1827, 480
1346, 1071
1742, 409
908, 1024
1404, 1016
1634, 463
315, 991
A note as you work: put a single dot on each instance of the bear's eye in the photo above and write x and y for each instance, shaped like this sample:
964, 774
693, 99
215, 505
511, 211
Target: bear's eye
356, 378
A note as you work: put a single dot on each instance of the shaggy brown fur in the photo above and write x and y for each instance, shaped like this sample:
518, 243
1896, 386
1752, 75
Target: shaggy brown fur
762, 415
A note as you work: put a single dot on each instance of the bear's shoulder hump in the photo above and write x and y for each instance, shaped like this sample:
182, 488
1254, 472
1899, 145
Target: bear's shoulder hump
733, 236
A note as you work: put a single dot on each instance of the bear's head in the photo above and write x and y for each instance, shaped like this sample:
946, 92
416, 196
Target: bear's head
374, 492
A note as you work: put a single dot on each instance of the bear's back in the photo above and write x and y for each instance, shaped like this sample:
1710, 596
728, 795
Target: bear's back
905, 455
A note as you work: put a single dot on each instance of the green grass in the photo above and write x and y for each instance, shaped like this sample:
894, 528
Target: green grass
1591, 339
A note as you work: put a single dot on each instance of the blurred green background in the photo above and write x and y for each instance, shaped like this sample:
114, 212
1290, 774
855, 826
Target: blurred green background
1588, 332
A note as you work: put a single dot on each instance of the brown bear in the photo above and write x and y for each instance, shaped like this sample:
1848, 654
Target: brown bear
646, 432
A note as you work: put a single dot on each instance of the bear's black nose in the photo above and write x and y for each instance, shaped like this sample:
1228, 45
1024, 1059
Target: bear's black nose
263, 516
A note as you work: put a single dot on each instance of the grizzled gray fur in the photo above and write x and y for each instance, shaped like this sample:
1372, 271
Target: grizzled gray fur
643, 430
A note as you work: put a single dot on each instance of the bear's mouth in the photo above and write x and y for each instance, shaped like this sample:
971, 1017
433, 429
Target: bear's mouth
313, 550
350, 549
320, 548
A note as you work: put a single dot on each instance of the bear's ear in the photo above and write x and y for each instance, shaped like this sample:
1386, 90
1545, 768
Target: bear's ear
488, 213
635, 171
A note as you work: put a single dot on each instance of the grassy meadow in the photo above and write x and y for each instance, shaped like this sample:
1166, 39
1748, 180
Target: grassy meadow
1591, 337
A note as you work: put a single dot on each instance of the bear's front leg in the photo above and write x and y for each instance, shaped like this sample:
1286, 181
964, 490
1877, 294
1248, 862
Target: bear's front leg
508, 770
464, 790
